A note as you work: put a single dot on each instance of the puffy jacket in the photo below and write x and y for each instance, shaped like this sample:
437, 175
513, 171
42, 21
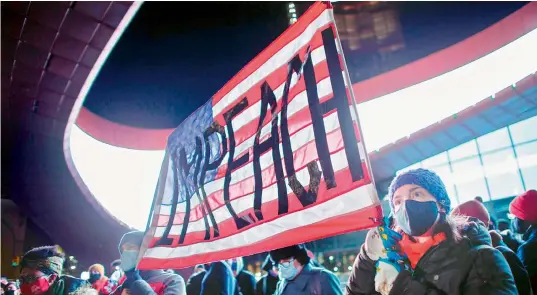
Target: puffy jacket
155, 282
466, 267
311, 281
520, 274
527, 252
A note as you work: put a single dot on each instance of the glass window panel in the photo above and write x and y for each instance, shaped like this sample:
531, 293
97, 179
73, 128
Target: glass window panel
469, 179
435, 160
527, 161
494, 141
444, 171
463, 151
502, 174
524, 131
415, 166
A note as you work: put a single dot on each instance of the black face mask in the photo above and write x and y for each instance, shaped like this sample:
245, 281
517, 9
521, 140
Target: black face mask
94, 277
416, 218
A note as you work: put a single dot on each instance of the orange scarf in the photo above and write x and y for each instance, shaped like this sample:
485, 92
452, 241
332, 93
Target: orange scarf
415, 250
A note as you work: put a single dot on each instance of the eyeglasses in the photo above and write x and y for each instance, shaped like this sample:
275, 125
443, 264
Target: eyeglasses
285, 264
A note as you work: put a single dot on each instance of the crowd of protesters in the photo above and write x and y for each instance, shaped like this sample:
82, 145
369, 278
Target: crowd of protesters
423, 247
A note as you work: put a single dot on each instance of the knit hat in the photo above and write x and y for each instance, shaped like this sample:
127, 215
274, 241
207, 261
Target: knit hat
97, 267
474, 209
426, 179
525, 206
133, 237
288, 252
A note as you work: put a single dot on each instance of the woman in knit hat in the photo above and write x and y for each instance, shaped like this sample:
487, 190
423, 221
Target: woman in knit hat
442, 254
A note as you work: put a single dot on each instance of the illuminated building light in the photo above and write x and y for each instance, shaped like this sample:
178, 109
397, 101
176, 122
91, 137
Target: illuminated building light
291, 5
73, 267
294, 15
349, 268
336, 269
331, 258
292, 10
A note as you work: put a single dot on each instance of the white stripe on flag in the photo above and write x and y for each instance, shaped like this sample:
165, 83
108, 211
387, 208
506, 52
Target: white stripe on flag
276, 61
354, 200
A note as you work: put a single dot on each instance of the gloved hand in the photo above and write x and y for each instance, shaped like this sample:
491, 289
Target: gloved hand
387, 271
373, 246
132, 276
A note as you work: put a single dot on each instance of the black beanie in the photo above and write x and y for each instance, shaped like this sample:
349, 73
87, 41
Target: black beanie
297, 251
133, 237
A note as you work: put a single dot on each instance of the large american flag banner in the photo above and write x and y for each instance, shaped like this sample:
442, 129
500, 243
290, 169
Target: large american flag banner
275, 158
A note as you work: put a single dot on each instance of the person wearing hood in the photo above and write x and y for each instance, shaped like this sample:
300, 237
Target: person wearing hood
299, 277
219, 280
150, 282
97, 278
431, 252
477, 212
41, 273
524, 208
193, 285
267, 284
245, 279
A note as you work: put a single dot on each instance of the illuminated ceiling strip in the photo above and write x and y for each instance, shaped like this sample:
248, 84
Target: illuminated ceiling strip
129, 15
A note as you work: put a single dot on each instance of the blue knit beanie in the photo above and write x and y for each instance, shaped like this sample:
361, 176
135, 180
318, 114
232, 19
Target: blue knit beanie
426, 179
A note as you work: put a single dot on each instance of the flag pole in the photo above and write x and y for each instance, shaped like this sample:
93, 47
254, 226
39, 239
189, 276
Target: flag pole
157, 200
347, 79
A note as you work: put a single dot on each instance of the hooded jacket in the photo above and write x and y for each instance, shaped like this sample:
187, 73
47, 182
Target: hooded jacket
466, 267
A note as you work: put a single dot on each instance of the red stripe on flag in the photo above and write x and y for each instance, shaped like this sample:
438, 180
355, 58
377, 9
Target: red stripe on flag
274, 79
364, 218
289, 35
301, 157
269, 209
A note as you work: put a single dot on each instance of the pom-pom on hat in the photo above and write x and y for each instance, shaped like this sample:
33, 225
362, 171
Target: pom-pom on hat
426, 179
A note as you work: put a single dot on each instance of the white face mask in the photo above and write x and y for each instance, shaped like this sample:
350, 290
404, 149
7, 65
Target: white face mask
128, 259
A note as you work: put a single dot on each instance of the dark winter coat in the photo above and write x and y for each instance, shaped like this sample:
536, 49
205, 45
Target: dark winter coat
267, 285
219, 280
193, 285
527, 252
520, 274
311, 281
246, 281
466, 267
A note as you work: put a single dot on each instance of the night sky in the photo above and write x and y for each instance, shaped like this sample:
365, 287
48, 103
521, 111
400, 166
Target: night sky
175, 55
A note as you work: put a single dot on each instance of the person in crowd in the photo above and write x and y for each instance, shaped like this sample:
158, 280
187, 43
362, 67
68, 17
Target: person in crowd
219, 280
476, 211
443, 254
504, 228
97, 278
492, 223
267, 284
199, 268
245, 279
41, 273
520, 274
298, 276
524, 208
193, 285
11, 288
149, 282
